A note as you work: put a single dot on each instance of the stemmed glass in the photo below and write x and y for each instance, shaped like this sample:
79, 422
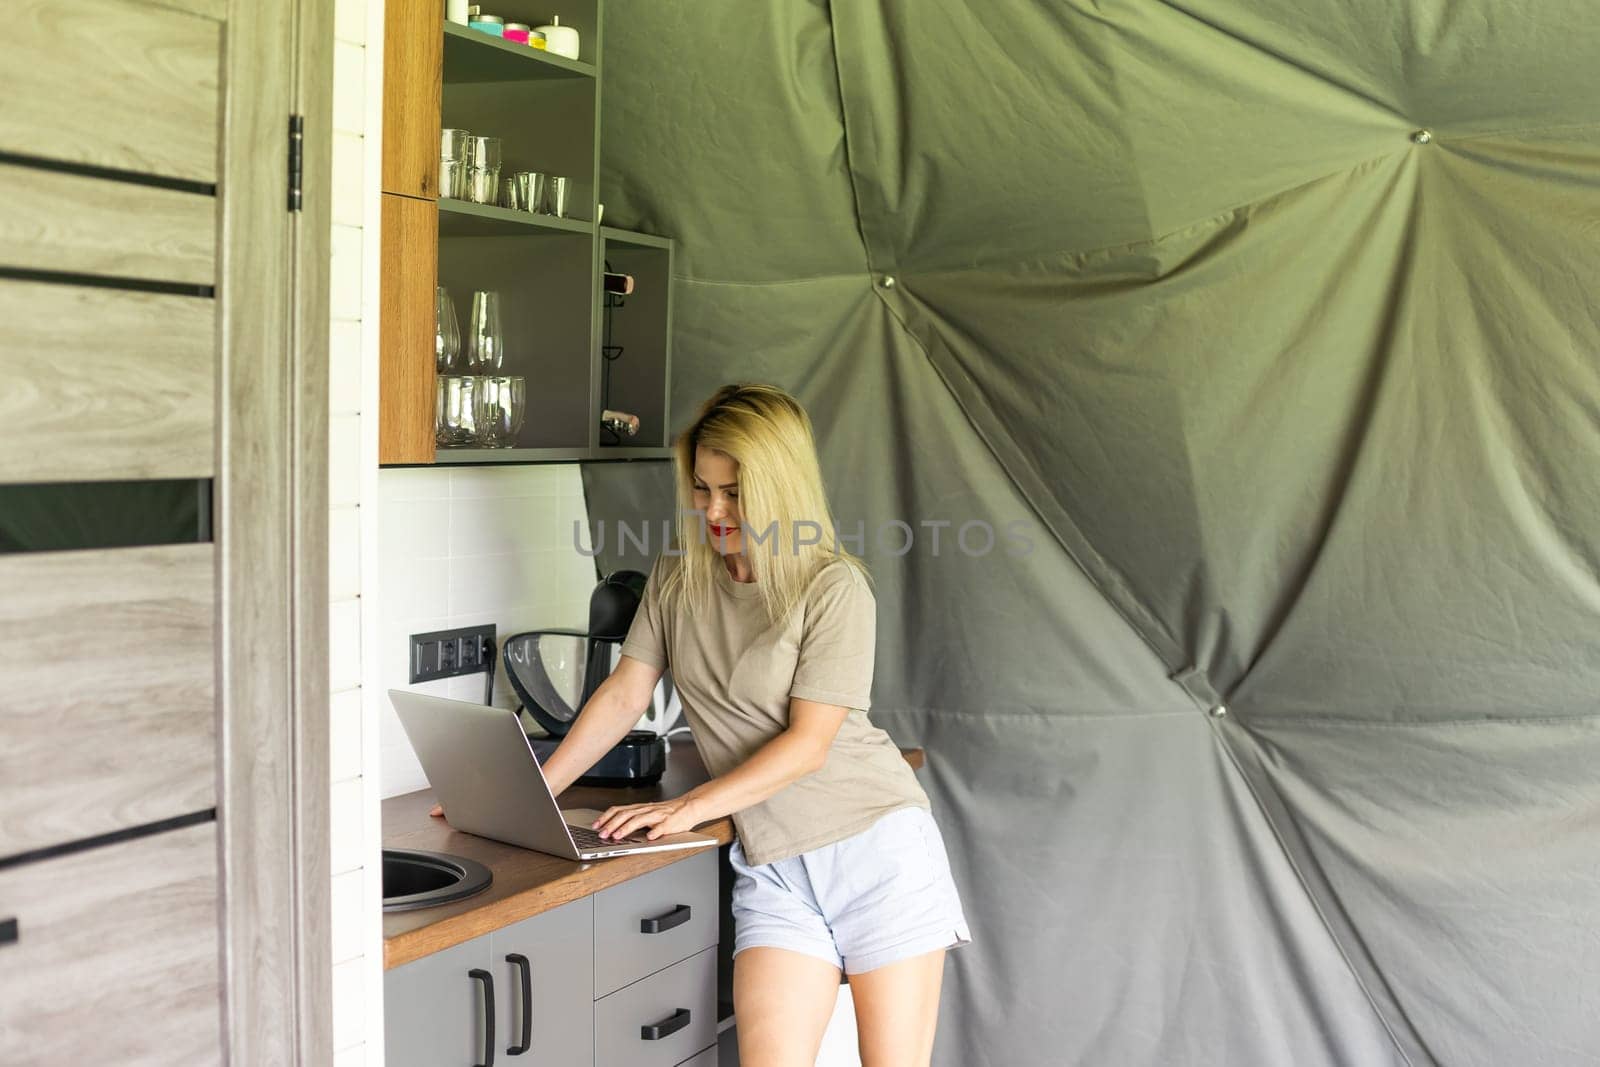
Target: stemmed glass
446, 333
485, 349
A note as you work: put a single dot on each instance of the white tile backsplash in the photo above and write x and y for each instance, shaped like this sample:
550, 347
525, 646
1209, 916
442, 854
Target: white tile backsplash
349, 87
344, 368
349, 1004
355, 928
344, 461
350, 21
344, 825
507, 481
344, 736
344, 553
344, 645
348, 890
414, 483
412, 529
344, 274
348, 179
464, 548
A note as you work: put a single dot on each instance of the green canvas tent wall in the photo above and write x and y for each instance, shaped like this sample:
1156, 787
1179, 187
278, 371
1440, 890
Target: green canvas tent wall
1270, 328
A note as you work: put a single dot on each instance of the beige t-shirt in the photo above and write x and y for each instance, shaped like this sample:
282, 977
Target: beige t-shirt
735, 674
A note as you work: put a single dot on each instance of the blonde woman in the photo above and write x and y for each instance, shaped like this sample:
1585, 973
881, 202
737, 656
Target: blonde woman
768, 628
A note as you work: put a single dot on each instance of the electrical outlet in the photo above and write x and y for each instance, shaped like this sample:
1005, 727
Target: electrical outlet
448, 653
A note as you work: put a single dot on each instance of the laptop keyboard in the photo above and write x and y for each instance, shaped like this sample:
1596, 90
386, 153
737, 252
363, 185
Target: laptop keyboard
586, 838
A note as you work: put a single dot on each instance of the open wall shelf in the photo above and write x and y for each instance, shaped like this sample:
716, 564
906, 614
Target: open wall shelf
471, 56
462, 218
546, 111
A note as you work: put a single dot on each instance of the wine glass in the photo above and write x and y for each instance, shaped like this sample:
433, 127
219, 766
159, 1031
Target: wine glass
446, 333
485, 349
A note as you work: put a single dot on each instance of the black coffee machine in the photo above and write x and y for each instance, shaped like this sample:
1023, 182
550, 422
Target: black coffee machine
554, 672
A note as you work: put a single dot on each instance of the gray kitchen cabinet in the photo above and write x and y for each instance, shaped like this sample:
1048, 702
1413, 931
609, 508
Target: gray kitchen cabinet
543, 971
646, 924
708, 1058
434, 1008
659, 1020
655, 936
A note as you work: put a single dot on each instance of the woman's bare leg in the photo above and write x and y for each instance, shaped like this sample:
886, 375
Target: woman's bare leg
782, 1001
897, 1011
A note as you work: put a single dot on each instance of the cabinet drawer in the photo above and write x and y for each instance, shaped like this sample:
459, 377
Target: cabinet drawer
681, 897
689, 986
708, 1058
543, 970
115, 958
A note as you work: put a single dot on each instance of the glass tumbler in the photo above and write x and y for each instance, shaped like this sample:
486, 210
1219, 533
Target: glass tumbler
485, 349
453, 163
498, 406
483, 170
453, 424
446, 333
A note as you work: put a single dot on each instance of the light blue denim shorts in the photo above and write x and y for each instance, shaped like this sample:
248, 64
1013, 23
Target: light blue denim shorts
878, 897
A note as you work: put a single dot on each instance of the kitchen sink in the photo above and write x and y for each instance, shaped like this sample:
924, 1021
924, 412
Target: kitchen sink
416, 879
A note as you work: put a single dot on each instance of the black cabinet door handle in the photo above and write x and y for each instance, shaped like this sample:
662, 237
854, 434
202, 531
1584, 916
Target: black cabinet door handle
527, 1003
8, 931
666, 1027
488, 1014
662, 923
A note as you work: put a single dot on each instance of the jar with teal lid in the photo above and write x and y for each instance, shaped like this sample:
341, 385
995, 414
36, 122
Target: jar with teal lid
490, 24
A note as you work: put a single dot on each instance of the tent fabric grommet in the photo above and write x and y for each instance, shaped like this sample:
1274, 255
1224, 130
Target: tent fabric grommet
1421, 136
886, 281
1220, 711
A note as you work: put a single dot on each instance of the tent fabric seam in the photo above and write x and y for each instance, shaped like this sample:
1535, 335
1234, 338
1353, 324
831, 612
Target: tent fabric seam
1296, 865
1335, 722
1048, 717
844, 140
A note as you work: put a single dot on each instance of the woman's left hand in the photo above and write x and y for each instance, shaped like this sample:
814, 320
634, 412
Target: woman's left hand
663, 817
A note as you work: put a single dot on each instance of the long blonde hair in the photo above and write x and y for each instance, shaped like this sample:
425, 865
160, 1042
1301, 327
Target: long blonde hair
767, 432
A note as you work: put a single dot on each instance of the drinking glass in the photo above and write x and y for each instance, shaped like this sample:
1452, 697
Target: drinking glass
453, 146
446, 333
453, 423
555, 196
485, 349
483, 170
498, 406
484, 152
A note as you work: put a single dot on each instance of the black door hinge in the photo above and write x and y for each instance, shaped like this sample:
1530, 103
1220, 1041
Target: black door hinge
297, 159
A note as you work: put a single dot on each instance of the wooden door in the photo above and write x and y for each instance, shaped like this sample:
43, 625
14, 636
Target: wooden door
163, 840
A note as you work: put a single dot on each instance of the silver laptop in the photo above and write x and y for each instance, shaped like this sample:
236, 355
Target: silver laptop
483, 771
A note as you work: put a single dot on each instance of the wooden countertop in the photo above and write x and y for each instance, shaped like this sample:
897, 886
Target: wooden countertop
527, 882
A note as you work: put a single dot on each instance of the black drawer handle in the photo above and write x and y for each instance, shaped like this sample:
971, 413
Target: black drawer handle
662, 923
8, 931
527, 1003
666, 1027
488, 1014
